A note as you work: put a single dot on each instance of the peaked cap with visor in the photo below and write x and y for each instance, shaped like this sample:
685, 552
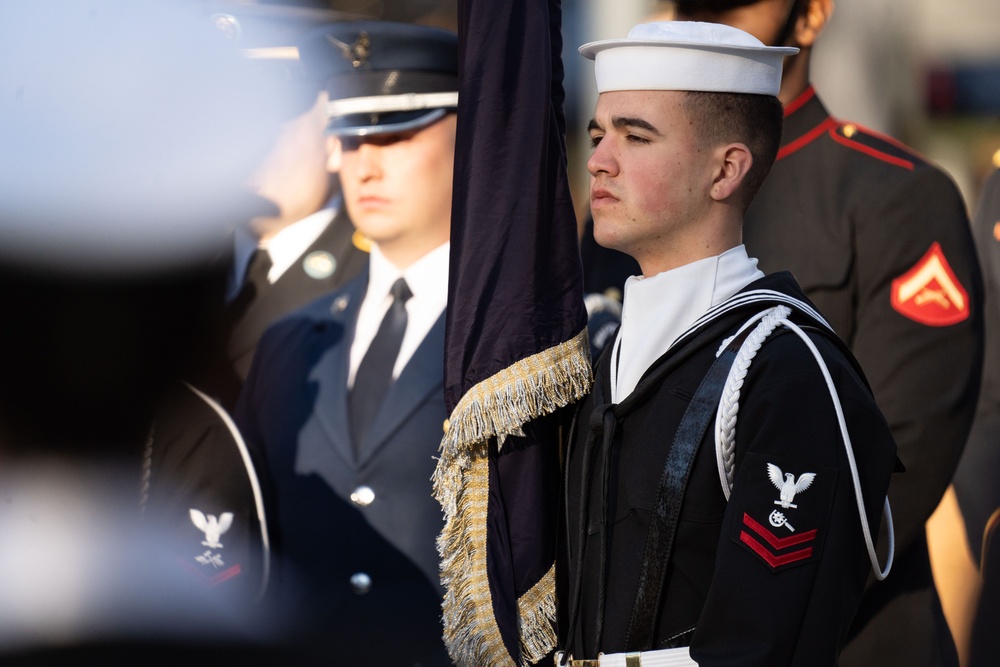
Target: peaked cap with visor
382, 76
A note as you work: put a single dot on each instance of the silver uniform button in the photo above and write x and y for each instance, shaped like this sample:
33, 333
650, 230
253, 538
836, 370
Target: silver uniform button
363, 496
361, 583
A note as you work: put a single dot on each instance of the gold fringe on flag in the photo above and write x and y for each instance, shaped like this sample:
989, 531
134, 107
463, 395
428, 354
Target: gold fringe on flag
495, 408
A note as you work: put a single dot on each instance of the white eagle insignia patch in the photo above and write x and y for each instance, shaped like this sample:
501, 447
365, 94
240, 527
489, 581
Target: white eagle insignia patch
213, 527
787, 485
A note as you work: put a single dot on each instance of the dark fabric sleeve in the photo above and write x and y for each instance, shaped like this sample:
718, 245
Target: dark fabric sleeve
925, 378
786, 594
199, 474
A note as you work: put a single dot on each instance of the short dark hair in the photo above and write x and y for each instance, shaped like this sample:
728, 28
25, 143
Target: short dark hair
754, 120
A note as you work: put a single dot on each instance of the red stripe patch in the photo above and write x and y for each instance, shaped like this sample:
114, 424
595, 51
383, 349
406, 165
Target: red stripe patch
776, 560
774, 540
771, 559
930, 293
215, 580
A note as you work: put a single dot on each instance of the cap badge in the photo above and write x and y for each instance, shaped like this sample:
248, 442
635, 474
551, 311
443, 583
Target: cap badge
787, 485
228, 25
357, 53
930, 293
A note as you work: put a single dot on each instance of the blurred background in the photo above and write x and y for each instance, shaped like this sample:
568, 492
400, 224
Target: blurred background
924, 71
76, 148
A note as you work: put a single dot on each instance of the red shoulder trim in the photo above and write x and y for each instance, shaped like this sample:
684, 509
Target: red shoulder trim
806, 138
850, 129
909, 150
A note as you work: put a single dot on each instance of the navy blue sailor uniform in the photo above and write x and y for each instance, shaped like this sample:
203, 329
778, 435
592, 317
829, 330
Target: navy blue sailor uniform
771, 577
201, 488
355, 566
879, 240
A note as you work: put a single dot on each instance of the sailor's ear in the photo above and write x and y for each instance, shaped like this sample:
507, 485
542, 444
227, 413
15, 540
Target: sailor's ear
733, 165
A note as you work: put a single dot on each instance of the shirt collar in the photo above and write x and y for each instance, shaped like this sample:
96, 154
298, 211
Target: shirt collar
427, 278
287, 246
804, 116
658, 309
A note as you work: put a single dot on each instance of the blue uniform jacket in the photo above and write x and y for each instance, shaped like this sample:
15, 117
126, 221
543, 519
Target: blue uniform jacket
356, 569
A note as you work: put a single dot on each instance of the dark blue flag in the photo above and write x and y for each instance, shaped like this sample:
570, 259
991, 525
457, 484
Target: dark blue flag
516, 343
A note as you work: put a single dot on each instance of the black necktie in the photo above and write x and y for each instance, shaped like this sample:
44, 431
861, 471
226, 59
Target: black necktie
374, 375
255, 278
254, 282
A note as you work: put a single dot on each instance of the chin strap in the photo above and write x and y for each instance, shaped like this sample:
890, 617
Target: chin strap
729, 405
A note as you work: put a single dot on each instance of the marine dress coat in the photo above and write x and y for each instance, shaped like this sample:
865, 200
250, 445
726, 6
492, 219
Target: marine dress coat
354, 528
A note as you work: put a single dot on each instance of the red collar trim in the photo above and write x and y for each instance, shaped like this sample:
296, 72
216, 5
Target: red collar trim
800, 101
807, 138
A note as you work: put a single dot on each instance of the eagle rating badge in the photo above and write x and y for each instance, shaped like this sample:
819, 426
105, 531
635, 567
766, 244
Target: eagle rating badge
784, 510
930, 293
211, 567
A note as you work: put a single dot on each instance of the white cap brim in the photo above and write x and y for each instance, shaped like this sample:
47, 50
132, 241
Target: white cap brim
687, 55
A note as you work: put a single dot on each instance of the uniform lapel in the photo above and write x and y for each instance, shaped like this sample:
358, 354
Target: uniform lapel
296, 288
423, 374
330, 373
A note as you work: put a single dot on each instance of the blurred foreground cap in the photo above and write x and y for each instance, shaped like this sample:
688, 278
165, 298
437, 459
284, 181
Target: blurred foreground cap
127, 133
382, 76
687, 55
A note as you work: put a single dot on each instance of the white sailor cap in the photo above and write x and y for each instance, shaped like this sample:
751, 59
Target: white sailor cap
687, 55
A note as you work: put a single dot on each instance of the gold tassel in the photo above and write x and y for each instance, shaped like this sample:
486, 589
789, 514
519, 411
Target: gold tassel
495, 408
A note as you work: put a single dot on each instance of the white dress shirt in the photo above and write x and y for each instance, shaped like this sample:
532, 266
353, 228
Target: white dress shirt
284, 248
287, 246
658, 309
427, 279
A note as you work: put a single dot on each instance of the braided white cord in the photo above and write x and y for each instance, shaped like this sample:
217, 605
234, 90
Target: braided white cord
725, 422
849, 450
729, 403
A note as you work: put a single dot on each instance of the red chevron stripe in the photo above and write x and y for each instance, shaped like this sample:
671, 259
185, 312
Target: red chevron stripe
225, 575
772, 560
774, 540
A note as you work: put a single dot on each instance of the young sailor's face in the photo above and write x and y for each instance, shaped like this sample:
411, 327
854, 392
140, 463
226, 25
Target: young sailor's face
650, 176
